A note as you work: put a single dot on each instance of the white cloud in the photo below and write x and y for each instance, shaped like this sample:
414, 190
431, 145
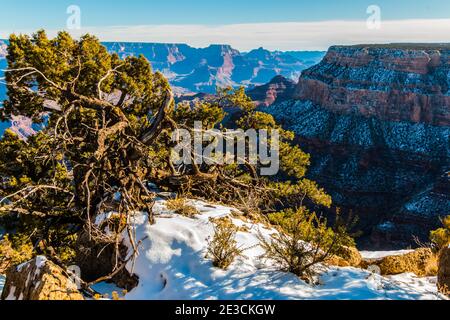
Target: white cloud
276, 36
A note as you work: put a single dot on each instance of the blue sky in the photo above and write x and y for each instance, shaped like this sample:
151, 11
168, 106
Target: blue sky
98, 16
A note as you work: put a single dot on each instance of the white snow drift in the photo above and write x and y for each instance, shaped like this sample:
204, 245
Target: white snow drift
172, 265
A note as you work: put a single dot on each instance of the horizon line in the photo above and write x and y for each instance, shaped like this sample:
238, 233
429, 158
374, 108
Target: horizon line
273, 36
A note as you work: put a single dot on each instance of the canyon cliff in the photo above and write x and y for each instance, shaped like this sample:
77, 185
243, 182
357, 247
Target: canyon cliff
279, 89
201, 70
376, 120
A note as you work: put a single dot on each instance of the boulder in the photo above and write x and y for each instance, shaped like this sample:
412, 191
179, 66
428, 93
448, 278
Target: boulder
336, 261
346, 257
39, 279
444, 271
351, 255
422, 262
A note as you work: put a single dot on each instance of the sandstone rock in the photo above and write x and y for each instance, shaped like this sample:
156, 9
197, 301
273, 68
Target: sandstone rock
337, 261
422, 262
39, 279
347, 257
203, 69
351, 255
388, 83
444, 271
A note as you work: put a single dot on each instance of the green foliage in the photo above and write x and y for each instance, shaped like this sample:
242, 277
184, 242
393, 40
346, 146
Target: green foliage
209, 114
222, 249
14, 250
294, 162
109, 125
304, 241
289, 187
97, 107
441, 237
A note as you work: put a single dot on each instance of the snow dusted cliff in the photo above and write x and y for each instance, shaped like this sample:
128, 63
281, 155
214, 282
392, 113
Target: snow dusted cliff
376, 121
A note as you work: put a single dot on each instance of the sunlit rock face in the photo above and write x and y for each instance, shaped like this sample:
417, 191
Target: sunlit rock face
376, 121
279, 89
389, 84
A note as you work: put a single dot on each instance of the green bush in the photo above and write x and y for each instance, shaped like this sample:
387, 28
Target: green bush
441, 237
304, 241
14, 250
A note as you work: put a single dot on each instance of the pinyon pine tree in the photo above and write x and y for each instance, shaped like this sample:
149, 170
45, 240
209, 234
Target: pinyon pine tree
108, 125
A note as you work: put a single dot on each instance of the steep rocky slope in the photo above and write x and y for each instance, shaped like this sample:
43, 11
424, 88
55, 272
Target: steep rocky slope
279, 89
377, 123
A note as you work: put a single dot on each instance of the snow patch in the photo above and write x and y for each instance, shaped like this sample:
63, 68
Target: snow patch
383, 254
172, 266
40, 261
2, 283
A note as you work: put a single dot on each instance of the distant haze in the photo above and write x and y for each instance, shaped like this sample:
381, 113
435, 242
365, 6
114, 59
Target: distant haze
274, 36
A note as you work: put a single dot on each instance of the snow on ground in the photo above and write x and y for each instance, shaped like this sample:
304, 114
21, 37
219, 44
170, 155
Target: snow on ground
2, 283
172, 266
383, 254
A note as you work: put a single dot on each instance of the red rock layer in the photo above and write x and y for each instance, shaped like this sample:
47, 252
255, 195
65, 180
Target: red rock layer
391, 105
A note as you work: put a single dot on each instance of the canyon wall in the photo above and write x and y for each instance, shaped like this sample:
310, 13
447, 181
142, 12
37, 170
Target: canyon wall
279, 89
376, 121
201, 70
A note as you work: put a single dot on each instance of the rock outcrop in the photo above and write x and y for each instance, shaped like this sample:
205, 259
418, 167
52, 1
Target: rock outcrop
39, 279
376, 121
279, 89
422, 262
347, 257
388, 84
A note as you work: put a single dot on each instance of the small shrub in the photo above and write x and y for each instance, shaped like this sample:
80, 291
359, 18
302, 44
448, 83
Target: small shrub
223, 249
441, 237
14, 250
304, 242
117, 223
181, 207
